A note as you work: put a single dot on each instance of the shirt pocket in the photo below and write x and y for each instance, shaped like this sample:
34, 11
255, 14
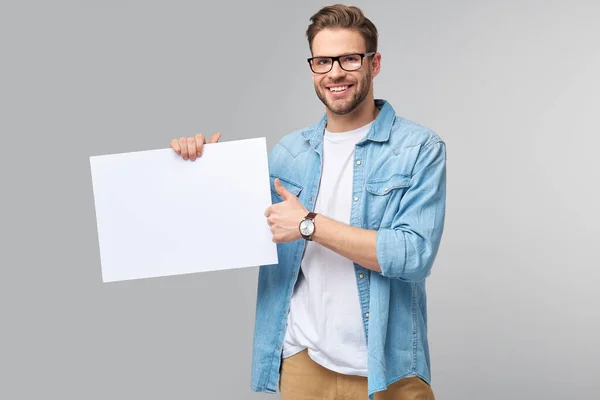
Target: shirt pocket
290, 185
385, 186
384, 193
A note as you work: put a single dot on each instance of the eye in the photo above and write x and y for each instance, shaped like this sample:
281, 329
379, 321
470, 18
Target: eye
322, 61
352, 59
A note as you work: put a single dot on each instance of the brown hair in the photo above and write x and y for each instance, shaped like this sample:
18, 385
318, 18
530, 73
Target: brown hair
341, 16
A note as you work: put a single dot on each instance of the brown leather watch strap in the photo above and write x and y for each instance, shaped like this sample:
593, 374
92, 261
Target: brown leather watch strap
311, 215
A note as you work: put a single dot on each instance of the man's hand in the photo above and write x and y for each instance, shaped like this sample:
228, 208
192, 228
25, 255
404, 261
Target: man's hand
191, 148
284, 218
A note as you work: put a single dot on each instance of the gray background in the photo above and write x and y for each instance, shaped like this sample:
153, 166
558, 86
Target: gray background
512, 87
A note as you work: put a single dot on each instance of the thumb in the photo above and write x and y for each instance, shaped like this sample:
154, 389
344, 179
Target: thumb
283, 192
215, 138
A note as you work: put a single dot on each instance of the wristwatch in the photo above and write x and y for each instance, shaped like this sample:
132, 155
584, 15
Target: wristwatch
307, 226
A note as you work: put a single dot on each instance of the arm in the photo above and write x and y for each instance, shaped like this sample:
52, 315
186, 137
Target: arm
356, 244
407, 249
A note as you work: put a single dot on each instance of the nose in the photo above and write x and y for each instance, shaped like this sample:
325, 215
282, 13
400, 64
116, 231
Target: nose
336, 70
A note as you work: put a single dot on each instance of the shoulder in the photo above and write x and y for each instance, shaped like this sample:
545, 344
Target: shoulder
407, 133
288, 156
295, 142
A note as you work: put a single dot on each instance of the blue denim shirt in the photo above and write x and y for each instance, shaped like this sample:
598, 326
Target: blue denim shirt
399, 190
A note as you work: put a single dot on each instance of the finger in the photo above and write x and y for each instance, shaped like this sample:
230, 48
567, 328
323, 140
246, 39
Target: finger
281, 190
191, 143
200, 140
175, 146
183, 146
215, 138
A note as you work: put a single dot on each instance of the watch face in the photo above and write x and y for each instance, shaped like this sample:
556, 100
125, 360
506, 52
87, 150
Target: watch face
307, 227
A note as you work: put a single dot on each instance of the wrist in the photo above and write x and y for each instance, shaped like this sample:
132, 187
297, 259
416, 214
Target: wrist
307, 226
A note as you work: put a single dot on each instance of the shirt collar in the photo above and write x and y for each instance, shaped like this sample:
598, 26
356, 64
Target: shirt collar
379, 132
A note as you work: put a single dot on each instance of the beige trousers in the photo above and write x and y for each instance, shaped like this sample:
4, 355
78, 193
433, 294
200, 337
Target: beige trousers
303, 379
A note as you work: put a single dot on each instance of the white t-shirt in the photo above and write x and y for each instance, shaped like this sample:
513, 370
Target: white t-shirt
325, 314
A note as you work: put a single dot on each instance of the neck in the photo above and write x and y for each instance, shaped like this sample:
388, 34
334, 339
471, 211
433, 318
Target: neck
362, 115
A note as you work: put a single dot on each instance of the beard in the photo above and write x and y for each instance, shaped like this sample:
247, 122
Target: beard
348, 105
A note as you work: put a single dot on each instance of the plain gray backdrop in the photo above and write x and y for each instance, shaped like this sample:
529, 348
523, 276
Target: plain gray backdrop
512, 87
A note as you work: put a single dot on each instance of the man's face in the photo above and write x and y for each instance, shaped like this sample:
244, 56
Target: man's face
330, 42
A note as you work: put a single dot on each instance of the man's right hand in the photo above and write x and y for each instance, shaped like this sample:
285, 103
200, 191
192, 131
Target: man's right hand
191, 148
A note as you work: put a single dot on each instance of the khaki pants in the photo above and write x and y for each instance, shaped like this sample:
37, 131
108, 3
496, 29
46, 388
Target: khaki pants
303, 379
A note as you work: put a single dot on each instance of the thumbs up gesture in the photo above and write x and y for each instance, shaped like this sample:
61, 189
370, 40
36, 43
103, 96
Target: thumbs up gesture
284, 218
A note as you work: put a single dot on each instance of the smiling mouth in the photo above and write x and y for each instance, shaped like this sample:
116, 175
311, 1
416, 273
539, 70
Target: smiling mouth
339, 89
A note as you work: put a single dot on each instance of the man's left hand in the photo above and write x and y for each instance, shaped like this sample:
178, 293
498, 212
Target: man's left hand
284, 218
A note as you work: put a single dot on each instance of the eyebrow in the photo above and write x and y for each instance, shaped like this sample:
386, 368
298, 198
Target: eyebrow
345, 54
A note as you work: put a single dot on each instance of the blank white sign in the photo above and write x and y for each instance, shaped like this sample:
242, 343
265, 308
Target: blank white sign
160, 215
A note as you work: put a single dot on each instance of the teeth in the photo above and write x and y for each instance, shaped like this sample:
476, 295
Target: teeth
338, 89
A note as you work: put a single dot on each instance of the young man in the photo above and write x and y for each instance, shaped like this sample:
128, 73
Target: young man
358, 213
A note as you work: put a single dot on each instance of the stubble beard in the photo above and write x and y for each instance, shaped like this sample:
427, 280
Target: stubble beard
346, 107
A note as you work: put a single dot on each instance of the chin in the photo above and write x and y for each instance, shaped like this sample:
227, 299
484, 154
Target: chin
342, 110
337, 106
342, 107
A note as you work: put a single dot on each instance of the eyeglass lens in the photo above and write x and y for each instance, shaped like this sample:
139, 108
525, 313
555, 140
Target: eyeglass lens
350, 62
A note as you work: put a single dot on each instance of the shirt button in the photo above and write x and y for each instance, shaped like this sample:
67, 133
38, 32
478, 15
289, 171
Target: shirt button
367, 315
361, 276
358, 162
311, 199
355, 198
278, 347
294, 273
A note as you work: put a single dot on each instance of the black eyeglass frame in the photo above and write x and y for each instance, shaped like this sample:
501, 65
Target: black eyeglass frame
334, 59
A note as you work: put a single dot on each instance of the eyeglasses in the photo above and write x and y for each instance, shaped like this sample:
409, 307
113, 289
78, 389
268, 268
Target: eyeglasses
348, 62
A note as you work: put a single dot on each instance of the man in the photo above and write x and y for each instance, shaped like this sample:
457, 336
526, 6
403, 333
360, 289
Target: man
358, 213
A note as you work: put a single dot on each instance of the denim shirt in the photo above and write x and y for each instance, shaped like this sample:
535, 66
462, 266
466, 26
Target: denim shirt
399, 190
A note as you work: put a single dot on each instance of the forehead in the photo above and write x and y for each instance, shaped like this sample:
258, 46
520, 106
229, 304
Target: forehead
331, 42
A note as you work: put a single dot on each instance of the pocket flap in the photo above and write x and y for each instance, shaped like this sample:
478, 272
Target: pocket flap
292, 187
384, 186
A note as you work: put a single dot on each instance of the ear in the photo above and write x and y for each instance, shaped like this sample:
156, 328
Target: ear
375, 64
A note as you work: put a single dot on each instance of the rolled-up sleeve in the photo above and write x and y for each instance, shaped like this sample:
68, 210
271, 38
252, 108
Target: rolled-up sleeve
407, 249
